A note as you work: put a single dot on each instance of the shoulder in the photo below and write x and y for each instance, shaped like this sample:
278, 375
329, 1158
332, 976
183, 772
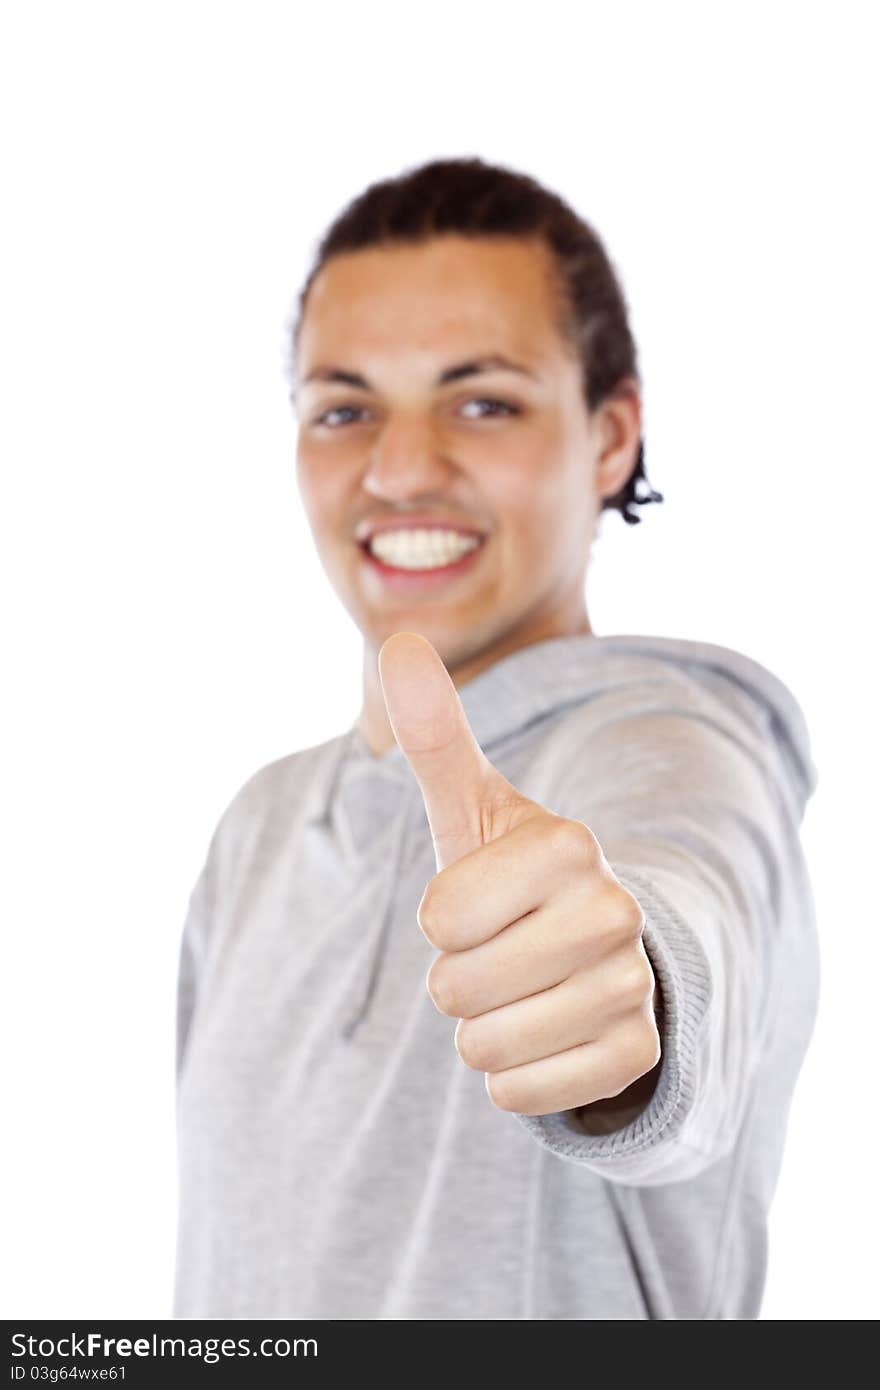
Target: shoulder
708, 672
652, 684
276, 793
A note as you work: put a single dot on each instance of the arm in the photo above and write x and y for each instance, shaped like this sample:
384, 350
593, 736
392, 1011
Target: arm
697, 815
192, 946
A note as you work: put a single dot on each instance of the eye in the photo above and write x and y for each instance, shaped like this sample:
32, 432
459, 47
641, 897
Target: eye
504, 407
331, 419
324, 419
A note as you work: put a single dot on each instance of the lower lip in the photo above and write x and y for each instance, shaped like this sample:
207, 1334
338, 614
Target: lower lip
408, 581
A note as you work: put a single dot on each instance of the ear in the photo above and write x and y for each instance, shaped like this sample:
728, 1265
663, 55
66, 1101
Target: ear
619, 427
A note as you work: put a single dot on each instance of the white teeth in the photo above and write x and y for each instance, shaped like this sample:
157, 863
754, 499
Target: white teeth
417, 548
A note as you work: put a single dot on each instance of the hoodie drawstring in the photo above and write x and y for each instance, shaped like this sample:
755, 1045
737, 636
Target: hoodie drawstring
323, 807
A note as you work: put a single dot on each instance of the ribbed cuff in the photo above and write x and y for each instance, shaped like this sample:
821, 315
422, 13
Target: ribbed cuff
644, 1148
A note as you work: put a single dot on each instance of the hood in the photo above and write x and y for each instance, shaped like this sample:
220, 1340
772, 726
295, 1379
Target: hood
521, 689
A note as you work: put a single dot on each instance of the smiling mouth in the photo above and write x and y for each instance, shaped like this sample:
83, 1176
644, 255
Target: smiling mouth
421, 550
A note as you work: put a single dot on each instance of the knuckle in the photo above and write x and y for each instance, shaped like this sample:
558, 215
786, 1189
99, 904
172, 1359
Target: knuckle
442, 987
642, 1051
470, 1050
630, 913
576, 840
637, 982
615, 916
653, 1048
638, 1052
621, 1079
503, 1092
429, 918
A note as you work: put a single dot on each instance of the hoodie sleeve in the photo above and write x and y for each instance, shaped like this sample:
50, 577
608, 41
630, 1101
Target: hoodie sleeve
190, 957
210, 893
696, 791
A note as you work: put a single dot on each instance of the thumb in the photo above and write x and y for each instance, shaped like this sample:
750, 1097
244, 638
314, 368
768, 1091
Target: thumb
459, 785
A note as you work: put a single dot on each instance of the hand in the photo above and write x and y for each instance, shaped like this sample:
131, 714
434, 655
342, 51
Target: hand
541, 956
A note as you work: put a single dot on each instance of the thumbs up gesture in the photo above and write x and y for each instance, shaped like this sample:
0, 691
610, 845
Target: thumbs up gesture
541, 957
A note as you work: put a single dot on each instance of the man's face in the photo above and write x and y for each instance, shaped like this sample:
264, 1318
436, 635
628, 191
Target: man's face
493, 452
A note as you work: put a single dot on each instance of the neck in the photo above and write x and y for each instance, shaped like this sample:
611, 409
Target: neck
373, 722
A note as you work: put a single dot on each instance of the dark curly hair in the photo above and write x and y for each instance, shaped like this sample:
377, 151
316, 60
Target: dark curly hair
475, 198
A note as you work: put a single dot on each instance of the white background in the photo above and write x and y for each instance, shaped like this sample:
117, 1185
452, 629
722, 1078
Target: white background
167, 171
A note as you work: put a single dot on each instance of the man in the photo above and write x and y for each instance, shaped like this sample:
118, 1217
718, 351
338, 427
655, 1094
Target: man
493, 1005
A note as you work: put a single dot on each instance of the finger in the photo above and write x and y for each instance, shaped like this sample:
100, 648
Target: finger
578, 1010
593, 1071
456, 779
542, 949
489, 888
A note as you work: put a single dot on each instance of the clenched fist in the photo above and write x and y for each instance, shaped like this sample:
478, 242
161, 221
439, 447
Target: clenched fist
541, 955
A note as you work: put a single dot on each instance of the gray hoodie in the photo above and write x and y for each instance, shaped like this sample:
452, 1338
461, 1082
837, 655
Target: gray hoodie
338, 1160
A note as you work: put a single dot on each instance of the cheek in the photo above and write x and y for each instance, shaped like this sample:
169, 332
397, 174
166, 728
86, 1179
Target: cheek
320, 491
532, 500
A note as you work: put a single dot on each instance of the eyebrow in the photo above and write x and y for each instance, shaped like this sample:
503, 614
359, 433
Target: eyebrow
489, 362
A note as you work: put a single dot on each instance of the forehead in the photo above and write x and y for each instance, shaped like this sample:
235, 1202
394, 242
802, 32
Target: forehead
445, 291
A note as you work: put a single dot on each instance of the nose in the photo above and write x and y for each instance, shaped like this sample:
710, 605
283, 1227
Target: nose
405, 461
